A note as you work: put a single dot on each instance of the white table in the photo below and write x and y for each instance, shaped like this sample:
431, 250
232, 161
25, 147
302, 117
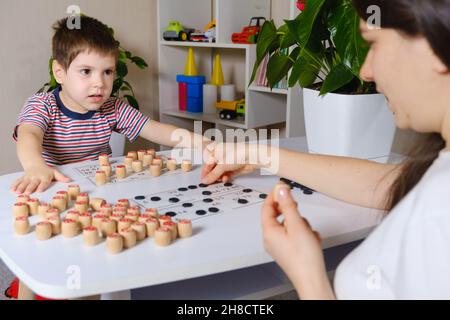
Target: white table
65, 268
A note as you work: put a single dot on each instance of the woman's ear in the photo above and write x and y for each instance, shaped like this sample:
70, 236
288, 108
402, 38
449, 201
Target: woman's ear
439, 66
58, 71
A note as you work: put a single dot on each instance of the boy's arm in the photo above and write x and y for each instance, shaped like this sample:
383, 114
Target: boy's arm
173, 136
29, 146
38, 175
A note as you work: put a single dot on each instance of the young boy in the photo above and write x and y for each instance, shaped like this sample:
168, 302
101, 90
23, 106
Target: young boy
74, 122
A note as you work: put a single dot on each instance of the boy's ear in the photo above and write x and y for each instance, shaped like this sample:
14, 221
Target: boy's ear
58, 71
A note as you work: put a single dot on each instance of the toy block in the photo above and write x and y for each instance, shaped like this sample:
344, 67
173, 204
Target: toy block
182, 95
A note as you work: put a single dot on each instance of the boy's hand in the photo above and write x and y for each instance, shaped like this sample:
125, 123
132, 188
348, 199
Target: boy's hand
37, 179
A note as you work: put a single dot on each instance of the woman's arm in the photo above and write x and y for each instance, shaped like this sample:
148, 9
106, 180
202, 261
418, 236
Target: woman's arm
361, 182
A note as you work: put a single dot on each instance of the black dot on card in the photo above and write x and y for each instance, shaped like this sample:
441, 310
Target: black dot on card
192, 187
263, 195
247, 190
139, 198
170, 214
307, 191
228, 184
200, 212
242, 201
182, 189
174, 200
208, 200
298, 185
288, 182
155, 198
187, 205
213, 209
206, 193
202, 185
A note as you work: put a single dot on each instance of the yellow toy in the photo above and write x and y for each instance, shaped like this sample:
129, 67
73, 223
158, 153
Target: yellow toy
217, 75
190, 69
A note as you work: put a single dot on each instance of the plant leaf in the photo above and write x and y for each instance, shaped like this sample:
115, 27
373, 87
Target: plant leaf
302, 27
132, 101
338, 77
126, 83
125, 88
139, 62
344, 26
286, 38
122, 56
277, 68
122, 69
266, 41
304, 71
116, 86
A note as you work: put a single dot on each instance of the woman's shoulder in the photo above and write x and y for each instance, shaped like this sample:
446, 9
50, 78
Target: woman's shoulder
437, 177
431, 196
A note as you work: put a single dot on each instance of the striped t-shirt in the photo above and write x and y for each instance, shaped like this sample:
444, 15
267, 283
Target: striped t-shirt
72, 137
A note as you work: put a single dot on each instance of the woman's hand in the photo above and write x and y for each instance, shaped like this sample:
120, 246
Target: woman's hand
224, 161
37, 179
294, 245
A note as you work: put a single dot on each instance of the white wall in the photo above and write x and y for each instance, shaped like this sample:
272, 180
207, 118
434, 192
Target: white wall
25, 46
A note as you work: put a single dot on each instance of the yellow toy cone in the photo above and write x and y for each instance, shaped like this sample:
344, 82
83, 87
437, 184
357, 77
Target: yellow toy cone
217, 76
190, 69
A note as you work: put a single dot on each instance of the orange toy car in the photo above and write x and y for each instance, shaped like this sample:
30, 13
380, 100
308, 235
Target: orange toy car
249, 34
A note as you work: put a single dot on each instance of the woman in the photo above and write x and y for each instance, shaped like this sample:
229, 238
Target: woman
408, 255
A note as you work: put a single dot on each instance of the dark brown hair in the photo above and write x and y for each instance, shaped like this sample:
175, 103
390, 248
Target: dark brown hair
416, 18
69, 41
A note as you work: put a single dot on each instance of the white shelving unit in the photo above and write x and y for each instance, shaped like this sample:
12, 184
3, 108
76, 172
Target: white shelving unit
237, 60
295, 120
263, 106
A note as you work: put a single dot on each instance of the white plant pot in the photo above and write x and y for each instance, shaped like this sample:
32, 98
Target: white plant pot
117, 143
359, 126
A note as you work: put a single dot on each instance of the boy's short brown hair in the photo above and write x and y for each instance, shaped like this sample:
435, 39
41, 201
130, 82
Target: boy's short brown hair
67, 42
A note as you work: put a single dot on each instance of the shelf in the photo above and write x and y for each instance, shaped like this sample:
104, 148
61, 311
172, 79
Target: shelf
205, 44
267, 89
207, 117
265, 107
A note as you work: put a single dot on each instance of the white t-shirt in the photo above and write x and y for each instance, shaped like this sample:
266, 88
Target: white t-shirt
408, 255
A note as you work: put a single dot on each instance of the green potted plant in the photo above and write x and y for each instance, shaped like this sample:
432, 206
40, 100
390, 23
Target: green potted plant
121, 89
343, 114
